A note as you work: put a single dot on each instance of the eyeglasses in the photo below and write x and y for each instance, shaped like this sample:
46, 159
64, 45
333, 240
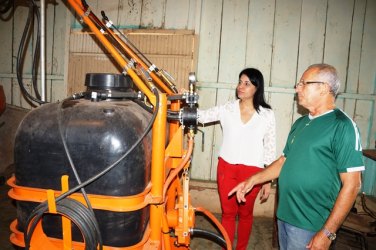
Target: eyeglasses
303, 83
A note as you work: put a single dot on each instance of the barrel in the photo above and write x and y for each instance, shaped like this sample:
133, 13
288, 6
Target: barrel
97, 134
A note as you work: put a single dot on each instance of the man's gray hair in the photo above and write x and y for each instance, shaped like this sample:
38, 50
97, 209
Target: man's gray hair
328, 74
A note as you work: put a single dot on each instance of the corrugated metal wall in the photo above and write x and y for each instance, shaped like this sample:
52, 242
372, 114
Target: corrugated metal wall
280, 37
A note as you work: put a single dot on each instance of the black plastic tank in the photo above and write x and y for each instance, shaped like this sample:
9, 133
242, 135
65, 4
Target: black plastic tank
97, 133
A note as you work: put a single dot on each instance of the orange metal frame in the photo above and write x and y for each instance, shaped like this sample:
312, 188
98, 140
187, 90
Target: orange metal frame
168, 191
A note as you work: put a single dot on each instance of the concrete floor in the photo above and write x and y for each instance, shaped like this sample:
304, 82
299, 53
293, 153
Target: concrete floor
9, 122
261, 238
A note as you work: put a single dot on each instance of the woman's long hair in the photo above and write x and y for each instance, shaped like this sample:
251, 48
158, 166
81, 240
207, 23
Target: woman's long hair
257, 79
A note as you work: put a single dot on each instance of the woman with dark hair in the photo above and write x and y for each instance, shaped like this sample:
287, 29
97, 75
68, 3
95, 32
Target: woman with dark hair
248, 145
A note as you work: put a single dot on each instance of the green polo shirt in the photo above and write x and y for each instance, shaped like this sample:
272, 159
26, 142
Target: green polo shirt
316, 151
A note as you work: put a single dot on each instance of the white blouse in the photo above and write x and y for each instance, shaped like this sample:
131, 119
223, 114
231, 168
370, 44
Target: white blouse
252, 143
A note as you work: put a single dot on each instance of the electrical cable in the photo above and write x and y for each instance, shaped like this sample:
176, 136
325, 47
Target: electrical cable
175, 172
42, 208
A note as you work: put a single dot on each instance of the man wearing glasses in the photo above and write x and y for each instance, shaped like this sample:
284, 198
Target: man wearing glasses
319, 171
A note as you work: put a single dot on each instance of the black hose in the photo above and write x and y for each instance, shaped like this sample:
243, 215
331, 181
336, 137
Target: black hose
77, 213
84, 4
175, 97
202, 233
104, 95
38, 212
21, 53
36, 52
74, 170
5, 6
107, 169
129, 42
144, 106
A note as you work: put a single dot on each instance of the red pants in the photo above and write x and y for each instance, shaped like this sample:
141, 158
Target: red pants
228, 176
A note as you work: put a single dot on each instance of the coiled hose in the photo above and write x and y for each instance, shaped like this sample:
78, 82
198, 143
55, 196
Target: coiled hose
78, 214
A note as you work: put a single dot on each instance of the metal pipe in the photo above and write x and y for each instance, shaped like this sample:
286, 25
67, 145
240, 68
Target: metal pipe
158, 167
43, 49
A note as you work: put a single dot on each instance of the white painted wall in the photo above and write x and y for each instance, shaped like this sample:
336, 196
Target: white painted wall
281, 38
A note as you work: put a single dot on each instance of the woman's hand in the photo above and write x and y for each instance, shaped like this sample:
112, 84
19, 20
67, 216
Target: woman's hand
265, 192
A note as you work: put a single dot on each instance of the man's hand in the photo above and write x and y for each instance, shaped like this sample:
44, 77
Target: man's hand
268, 174
242, 189
319, 242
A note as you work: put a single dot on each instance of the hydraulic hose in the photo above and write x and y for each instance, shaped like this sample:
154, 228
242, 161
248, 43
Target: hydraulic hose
36, 54
176, 171
148, 63
218, 224
113, 51
130, 50
21, 53
133, 52
202, 233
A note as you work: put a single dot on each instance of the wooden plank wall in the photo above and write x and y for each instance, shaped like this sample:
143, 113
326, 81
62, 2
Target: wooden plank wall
172, 51
281, 38
12, 27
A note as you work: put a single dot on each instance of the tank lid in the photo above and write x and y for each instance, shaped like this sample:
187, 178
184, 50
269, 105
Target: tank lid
106, 81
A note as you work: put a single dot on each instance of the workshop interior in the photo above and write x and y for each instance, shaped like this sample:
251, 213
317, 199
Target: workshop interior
108, 166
